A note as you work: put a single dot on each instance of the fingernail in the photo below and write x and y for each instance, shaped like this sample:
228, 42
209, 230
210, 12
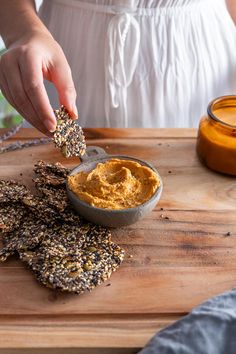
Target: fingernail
74, 112
50, 126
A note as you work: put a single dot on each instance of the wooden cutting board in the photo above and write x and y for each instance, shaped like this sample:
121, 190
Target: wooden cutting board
177, 257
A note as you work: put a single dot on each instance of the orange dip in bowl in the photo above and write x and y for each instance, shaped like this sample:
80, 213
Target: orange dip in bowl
216, 143
115, 184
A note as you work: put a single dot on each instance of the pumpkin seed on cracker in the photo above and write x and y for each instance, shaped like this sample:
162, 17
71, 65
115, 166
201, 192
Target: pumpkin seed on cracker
68, 136
76, 268
78, 273
75, 259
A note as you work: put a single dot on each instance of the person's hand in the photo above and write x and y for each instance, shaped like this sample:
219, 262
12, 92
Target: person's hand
23, 67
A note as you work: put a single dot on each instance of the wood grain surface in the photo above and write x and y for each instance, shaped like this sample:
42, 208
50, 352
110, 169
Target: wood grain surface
177, 257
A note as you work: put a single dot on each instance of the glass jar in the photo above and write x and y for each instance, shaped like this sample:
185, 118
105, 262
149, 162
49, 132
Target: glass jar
216, 143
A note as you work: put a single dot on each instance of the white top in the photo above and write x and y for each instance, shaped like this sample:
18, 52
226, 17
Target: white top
141, 63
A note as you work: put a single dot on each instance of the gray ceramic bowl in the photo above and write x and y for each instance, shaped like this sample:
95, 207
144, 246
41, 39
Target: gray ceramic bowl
106, 217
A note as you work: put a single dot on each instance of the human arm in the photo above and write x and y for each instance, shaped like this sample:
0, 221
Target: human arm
32, 55
231, 4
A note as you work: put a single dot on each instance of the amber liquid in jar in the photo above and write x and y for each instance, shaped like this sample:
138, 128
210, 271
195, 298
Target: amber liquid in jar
216, 143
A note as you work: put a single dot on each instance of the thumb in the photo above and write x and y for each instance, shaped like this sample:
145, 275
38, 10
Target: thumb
60, 74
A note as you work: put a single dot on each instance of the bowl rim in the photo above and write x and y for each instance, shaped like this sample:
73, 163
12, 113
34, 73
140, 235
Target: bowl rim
119, 211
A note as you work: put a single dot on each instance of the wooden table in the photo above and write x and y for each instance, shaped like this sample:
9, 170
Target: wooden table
181, 254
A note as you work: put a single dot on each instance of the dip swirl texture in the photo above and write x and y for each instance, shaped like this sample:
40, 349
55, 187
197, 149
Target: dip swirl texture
116, 184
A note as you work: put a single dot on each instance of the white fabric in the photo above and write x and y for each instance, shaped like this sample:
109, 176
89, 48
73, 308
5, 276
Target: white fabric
119, 70
145, 63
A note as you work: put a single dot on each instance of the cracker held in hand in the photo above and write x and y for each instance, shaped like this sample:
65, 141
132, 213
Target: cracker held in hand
68, 136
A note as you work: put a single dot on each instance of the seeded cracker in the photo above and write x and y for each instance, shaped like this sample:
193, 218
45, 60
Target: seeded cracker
51, 182
11, 216
49, 214
12, 191
30, 233
76, 260
66, 238
45, 169
63, 250
56, 197
68, 136
69, 216
41, 209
